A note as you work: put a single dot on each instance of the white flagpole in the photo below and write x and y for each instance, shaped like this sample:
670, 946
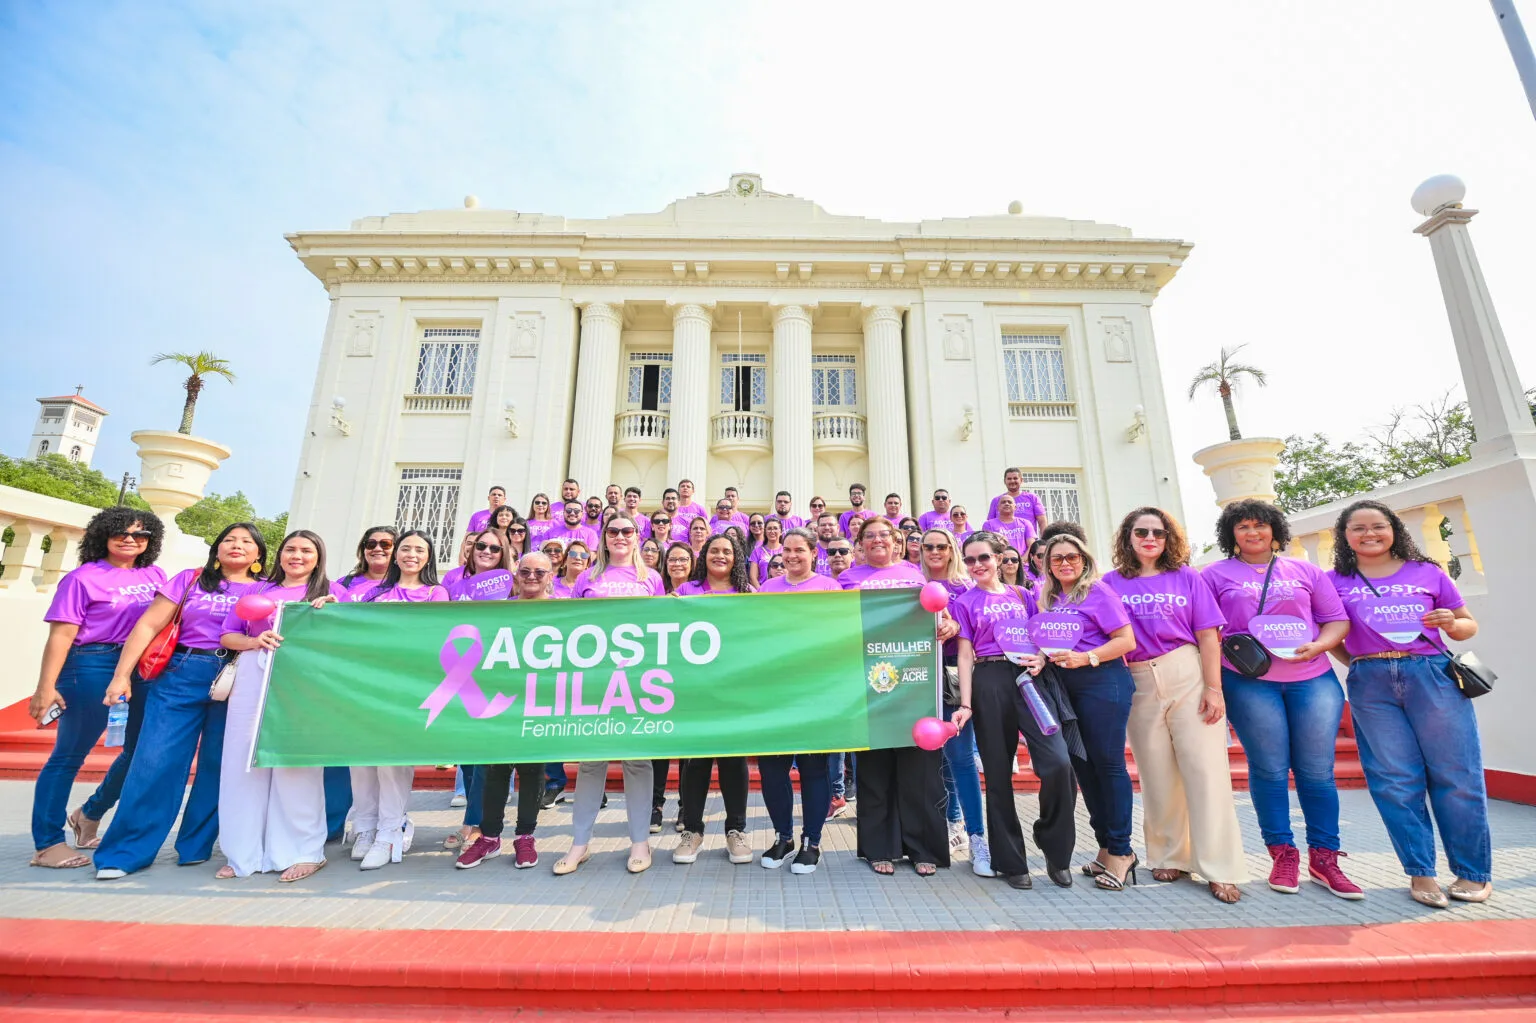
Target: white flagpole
1519, 47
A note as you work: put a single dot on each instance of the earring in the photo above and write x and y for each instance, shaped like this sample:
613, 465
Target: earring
256, 568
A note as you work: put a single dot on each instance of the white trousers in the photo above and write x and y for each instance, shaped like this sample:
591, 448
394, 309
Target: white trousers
269, 817
379, 798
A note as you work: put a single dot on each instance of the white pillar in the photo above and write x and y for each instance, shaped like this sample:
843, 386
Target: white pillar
885, 398
794, 458
692, 374
1494, 395
597, 382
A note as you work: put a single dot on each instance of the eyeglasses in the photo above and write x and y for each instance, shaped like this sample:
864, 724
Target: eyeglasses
621, 531
494, 548
578, 555
1066, 559
839, 552
883, 534
533, 573
1010, 561
1375, 527
932, 547
138, 536
972, 559
678, 562
1142, 532
378, 545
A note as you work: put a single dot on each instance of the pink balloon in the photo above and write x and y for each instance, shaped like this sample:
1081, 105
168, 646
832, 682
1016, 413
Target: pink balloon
934, 597
253, 607
931, 733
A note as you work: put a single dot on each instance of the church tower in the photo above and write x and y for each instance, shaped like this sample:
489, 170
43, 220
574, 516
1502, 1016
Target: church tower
67, 425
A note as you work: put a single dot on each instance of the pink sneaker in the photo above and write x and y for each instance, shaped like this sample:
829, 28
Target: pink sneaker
481, 849
527, 854
1284, 876
1323, 865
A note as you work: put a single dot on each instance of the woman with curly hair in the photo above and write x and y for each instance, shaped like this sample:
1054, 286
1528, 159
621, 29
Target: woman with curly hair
94, 609
1178, 725
1417, 732
1287, 718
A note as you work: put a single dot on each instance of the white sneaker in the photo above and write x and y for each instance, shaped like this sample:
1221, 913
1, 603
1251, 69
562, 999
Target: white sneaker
981, 857
362, 843
957, 838
459, 800
385, 849
410, 836
110, 874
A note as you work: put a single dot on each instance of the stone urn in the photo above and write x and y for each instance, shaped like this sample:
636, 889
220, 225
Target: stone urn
1242, 469
174, 470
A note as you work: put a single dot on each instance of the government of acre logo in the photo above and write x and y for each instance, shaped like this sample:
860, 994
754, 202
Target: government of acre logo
883, 677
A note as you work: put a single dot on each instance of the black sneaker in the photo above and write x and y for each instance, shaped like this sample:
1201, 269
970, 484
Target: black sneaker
655, 820
551, 797
805, 863
604, 804
778, 855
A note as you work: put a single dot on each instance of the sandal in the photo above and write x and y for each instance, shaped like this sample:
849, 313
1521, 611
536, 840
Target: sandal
64, 860
1110, 883
226, 873
925, 869
885, 868
461, 839
1433, 898
1094, 869
77, 822
1168, 874
1228, 893
288, 876
1461, 893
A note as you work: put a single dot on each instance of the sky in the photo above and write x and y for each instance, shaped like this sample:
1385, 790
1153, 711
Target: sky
153, 155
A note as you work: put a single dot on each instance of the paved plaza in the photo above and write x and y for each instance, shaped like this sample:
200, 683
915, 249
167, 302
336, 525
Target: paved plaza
425, 891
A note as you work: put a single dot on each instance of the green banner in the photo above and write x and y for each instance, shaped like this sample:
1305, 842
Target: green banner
624, 678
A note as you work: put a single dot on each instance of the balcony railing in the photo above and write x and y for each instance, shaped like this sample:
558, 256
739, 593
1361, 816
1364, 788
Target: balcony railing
1042, 409
839, 430
641, 429
438, 402
741, 430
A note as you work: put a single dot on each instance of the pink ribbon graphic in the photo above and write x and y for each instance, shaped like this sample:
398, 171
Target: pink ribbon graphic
459, 679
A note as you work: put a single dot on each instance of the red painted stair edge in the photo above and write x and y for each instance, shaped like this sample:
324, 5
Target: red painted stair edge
813, 970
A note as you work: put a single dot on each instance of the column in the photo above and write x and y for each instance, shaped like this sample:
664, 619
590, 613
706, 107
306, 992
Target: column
794, 456
597, 383
692, 375
885, 398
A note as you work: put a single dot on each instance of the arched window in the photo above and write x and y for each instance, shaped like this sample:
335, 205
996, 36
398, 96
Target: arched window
74, 453
42, 449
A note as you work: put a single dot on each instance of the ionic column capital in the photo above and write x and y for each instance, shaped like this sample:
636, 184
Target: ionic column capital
876, 314
685, 311
612, 312
792, 312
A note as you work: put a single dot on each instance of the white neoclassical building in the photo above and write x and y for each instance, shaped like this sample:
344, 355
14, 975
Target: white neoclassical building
742, 338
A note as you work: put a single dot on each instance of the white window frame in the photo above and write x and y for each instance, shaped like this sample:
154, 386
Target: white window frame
427, 499
447, 359
634, 385
846, 369
729, 363
1059, 491
1036, 377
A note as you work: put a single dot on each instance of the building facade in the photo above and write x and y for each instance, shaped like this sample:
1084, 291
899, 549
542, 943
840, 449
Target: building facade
739, 338
67, 425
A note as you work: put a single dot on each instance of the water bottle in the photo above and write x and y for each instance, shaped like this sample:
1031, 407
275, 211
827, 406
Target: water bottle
1038, 707
117, 723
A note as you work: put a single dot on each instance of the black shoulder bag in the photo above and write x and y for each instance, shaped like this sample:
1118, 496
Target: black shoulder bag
1471, 675
1245, 653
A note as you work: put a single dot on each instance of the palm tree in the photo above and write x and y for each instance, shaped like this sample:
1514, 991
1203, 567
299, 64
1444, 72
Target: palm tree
1224, 374
201, 364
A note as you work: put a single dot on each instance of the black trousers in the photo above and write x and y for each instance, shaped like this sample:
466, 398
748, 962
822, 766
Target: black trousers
901, 805
694, 790
493, 797
1000, 714
659, 781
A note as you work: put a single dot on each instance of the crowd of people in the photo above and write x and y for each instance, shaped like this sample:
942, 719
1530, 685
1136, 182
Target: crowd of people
1145, 665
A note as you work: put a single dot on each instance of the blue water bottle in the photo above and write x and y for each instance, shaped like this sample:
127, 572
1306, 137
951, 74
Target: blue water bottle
117, 723
1038, 707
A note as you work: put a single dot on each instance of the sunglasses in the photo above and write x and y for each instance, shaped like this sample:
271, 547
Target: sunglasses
578, 556
839, 552
1010, 561
532, 573
494, 548
378, 545
932, 547
1142, 532
817, 504
621, 530
517, 531
137, 536
661, 522
775, 564
971, 559
1066, 559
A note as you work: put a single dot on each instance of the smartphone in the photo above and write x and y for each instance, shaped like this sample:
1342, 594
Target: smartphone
50, 715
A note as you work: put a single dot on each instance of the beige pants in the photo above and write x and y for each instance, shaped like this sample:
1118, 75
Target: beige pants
1189, 820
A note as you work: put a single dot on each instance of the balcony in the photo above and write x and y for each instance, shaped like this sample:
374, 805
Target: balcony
741, 431
641, 430
838, 431
1042, 410
438, 403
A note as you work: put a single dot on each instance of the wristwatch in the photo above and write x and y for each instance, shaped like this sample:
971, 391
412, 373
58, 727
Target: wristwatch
1093, 659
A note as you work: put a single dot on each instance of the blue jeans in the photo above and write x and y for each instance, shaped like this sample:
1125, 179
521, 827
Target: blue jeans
1418, 737
1101, 699
842, 785
178, 721
962, 782
458, 781
474, 786
555, 778
338, 801
1285, 728
779, 794
82, 682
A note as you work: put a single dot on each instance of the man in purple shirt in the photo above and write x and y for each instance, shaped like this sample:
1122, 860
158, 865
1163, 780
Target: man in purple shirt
855, 498
1025, 505
893, 507
782, 503
727, 515
827, 537
679, 527
686, 504
570, 490
939, 517
612, 495
632, 497
734, 496
480, 521
593, 518
572, 529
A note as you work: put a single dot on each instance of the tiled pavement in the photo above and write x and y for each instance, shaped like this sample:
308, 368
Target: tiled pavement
425, 891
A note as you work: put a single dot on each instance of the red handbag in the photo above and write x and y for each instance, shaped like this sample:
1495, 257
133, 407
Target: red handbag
160, 650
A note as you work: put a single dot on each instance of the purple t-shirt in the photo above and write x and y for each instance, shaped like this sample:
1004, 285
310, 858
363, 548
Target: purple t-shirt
848, 516
1297, 588
411, 595
1101, 612
693, 589
618, 581
276, 594
642, 524
781, 584
1166, 609
105, 602
1017, 533
565, 536
935, 520
1415, 579
453, 575
892, 577
761, 556
354, 590
538, 529
203, 615
495, 584
480, 521
787, 521
978, 611
1025, 506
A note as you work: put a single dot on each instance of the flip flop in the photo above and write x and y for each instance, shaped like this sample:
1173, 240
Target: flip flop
67, 863
285, 879
890, 868
76, 821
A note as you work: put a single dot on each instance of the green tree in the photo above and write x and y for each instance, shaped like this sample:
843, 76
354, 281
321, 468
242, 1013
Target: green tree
1313, 471
273, 531
1425, 439
56, 476
209, 516
1224, 375
200, 364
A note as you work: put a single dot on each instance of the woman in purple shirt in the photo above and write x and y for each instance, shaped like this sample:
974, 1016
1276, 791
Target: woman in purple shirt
1288, 718
572, 565
487, 573
1178, 724
375, 551
721, 569
94, 609
180, 719
772, 543
1416, 730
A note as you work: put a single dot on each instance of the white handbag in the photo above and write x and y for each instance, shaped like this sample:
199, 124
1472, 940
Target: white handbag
224, 681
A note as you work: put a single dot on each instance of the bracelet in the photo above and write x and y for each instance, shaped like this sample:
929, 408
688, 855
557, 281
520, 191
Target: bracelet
1214, 689
964, 706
